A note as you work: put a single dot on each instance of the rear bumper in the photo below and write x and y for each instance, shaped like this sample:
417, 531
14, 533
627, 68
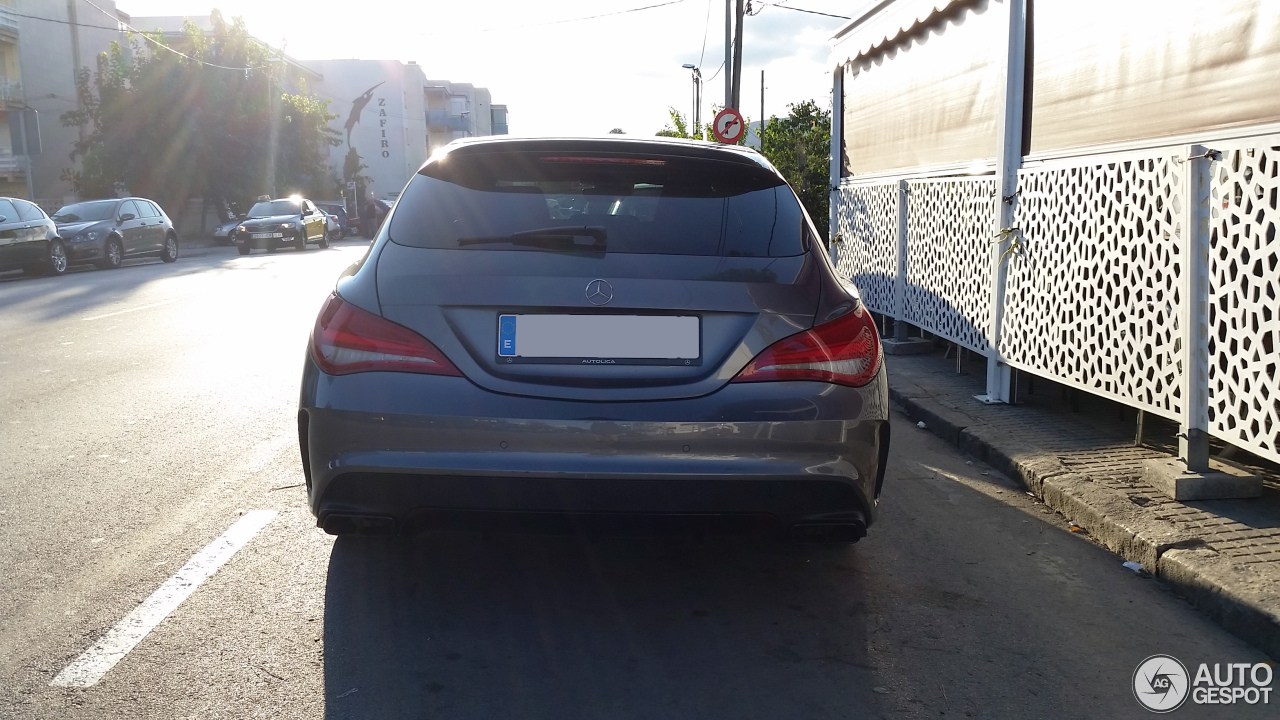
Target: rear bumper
246, 239
423, 451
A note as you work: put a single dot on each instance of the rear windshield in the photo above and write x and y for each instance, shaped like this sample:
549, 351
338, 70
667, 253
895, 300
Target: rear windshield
272, 208
655, 205
86, 212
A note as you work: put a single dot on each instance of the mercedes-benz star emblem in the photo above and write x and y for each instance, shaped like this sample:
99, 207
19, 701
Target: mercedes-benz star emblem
599, 292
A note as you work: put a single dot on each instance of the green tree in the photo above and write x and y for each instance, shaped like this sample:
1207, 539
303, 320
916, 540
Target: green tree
173, 128
799, 145
352, 172
302, 152
679, 128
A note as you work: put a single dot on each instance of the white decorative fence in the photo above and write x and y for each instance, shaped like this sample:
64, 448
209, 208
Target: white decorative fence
1244, 295
867, 222
948, 278
1092, 298
1100, 284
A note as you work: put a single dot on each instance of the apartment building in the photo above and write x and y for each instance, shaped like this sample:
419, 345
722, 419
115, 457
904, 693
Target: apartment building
44, 44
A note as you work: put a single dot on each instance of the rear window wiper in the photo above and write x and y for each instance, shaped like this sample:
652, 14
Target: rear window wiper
554, 238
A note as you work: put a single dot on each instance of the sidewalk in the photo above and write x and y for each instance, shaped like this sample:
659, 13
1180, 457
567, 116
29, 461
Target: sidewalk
1078, 457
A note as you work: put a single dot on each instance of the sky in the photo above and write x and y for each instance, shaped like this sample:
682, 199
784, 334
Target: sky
558, 73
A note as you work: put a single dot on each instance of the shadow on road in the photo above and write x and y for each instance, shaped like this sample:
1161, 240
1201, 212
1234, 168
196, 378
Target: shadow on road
85, 288
559, 627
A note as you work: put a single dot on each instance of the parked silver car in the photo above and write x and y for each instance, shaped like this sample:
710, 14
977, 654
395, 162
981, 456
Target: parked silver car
106, 232
29, 240
676, 351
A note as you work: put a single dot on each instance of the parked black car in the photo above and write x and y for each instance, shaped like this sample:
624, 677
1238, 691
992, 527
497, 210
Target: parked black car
105, 232
292, 221
29, 240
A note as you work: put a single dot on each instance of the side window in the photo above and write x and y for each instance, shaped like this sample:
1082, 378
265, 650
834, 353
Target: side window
310, 207
128, 207
148, 210
29, 212
9, 212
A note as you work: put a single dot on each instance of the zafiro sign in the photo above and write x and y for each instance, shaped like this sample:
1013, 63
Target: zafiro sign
383, 132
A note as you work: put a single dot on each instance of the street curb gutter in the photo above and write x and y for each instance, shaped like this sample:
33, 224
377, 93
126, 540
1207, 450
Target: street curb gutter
1230, 594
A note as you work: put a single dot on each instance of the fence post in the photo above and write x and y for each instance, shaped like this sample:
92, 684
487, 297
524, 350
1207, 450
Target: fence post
837, 148
1193, 435
1008, 160
900, 279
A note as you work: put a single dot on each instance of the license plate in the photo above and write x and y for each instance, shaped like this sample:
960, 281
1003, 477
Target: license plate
600, 339
267, 236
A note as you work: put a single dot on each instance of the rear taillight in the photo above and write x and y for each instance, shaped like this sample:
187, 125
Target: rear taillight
845, 351
349, 340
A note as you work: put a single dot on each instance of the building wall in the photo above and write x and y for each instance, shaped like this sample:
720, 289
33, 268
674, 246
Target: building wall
382, 103
49, 50
415, 102
482, 112
12, 173
457, 110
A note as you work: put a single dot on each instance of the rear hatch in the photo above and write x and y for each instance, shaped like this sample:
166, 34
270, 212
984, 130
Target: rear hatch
588, 274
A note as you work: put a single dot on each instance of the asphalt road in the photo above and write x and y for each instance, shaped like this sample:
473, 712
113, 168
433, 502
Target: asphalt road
145, 409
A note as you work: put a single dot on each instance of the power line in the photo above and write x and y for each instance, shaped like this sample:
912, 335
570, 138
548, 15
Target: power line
717, 72
608, 14
157, 43
64, 22
811, 12
562, 21
705, 28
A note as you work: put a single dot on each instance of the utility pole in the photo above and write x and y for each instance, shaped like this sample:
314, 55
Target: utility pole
26, 150
737, 56
728, 53
73, 24
695, 117
760, 133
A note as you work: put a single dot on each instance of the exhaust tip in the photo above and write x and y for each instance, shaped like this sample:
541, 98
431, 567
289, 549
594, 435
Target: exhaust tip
848, 532
336, 524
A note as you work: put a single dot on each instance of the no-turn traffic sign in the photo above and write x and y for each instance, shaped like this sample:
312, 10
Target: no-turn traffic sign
728, 126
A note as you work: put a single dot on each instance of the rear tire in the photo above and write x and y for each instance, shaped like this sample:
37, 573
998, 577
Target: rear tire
244, 249
112, 254
170, 251
57, 262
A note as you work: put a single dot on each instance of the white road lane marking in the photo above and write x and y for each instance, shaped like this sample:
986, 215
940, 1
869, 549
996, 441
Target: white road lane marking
133, 309
95, 662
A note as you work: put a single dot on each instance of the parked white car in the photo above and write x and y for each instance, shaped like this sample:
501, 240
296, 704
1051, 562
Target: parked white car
332, 227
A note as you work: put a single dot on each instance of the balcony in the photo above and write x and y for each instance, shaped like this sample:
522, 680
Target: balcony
10, 90
8, 20
11, 164
444, 119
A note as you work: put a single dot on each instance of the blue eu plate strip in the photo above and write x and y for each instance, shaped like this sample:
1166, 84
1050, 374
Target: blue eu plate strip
506, 336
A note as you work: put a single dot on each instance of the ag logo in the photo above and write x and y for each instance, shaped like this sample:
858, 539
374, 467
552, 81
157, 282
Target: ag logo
1161, 683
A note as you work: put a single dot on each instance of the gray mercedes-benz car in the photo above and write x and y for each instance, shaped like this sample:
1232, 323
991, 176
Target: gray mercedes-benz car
595, 332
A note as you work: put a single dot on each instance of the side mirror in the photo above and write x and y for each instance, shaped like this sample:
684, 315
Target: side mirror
126, 217
4, 218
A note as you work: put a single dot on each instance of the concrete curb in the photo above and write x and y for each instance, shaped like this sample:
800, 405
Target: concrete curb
1229, 593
